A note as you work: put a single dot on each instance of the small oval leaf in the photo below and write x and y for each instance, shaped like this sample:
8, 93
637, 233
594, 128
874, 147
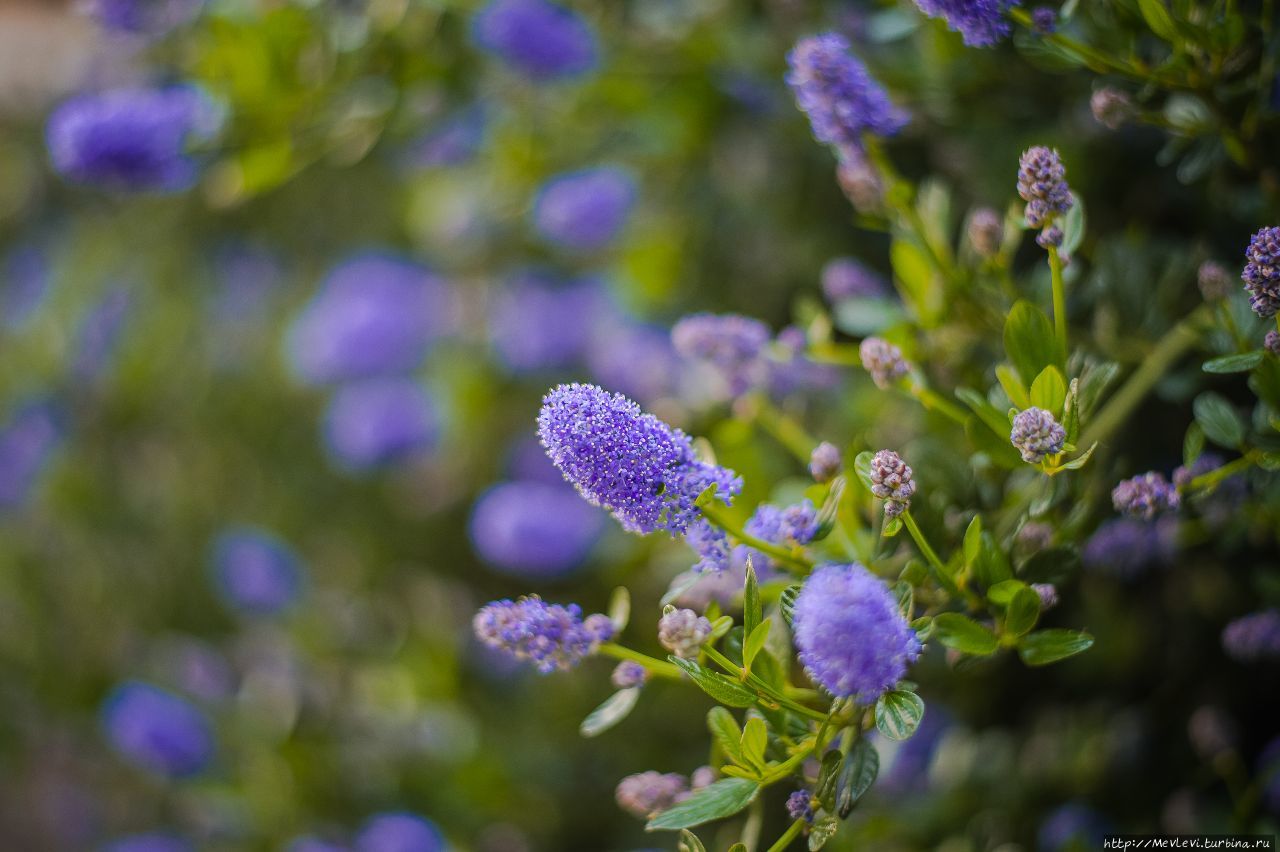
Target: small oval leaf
716, 801
898, 714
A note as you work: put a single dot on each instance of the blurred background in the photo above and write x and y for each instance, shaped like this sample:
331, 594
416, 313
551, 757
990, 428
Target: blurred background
267, 442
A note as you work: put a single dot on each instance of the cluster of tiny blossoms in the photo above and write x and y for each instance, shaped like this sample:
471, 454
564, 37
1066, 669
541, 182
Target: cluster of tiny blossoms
1042, 183
892, 482
883, 361
630, 463
550, 636
1262, 272
981, 23
1145, 496
1037, 434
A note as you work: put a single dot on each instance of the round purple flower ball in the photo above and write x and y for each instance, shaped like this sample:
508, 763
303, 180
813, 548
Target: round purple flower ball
534, 529
255, 571
537, 323
853, 640
1253, 637
800, 806
132, 140
1145, 496
646, 794
584, 210
376, 422
825, 463
1037, 434
375, 314
892, 480
156, 730
846, 278
883, 361
542, 41
399, 831
629, 674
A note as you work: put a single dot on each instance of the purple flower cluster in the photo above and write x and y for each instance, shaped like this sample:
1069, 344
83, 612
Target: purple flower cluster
375, 314
683, 632
375, 422
647, 794
892, 482
1044, 20
853, 640
537, 323
638, 468
845, 278
733, 344
789, 527
156, 730
629, 674
1145, 496
143, 17
825, 462
584, 210
534, 529
1271, 342
636, 359
550, 636
1261, 273
712, 546
1125, 548
800, 805
399, 831
1037, 434
981, 23
255, 571
883, 361
840, 97
1253, 637
132, 140
451, 142
1042, 183
540, 40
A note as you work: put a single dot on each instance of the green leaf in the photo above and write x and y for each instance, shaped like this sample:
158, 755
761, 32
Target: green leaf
1073, 227
892, 527
905, 596
1071, 411
1002, 593
738, 847
988, 413
1234, 363
787, 602
822, 830
727, 692
620, 609
1094, 381
689, 842
858, 773
973, 541
715, 801
1049, 391
1192, 444
1054, 565
1013, 386
964, 634
863, 316
1049, 646
751, 607
828, 776
754, 642
721, 724
917, 281
1159, 19
720, 627
898, 714
1080, 460
862, 467
1029, 340
614, 709
1218, 419
1021, 614
755, 739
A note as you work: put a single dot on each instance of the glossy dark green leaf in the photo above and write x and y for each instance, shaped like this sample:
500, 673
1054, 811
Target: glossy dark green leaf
787, 603
898, 714
828, 777
722, 799
724, 728
857, 774
1234, 363
727, 692
1049, 646
964, 634
1022, 611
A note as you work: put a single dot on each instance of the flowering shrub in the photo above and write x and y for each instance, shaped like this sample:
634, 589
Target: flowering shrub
870, 409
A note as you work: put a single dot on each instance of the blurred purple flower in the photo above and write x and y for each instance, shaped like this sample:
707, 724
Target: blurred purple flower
27, 441
150, 842
981, 23
99, 333
551, 636
157, 731
143, 17
584, 210
24, 281
376, 422
245, 276
648, 793
636, 359
527, 460
846, 278
540, 40
399, 831
255, 571
451, 142
733, 344
199, 669
1071, 826
375, 314
132, 140
908, 766
538, 324
1125, 547
532, 529
1261, 274
1253, 637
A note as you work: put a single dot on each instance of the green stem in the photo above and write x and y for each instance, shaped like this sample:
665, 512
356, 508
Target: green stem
921, 542
1175, 343
934, 401
1059, 301
791, 834
1209, 481
660, 668
728, 665
785, 429
1094, 59
713, 513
